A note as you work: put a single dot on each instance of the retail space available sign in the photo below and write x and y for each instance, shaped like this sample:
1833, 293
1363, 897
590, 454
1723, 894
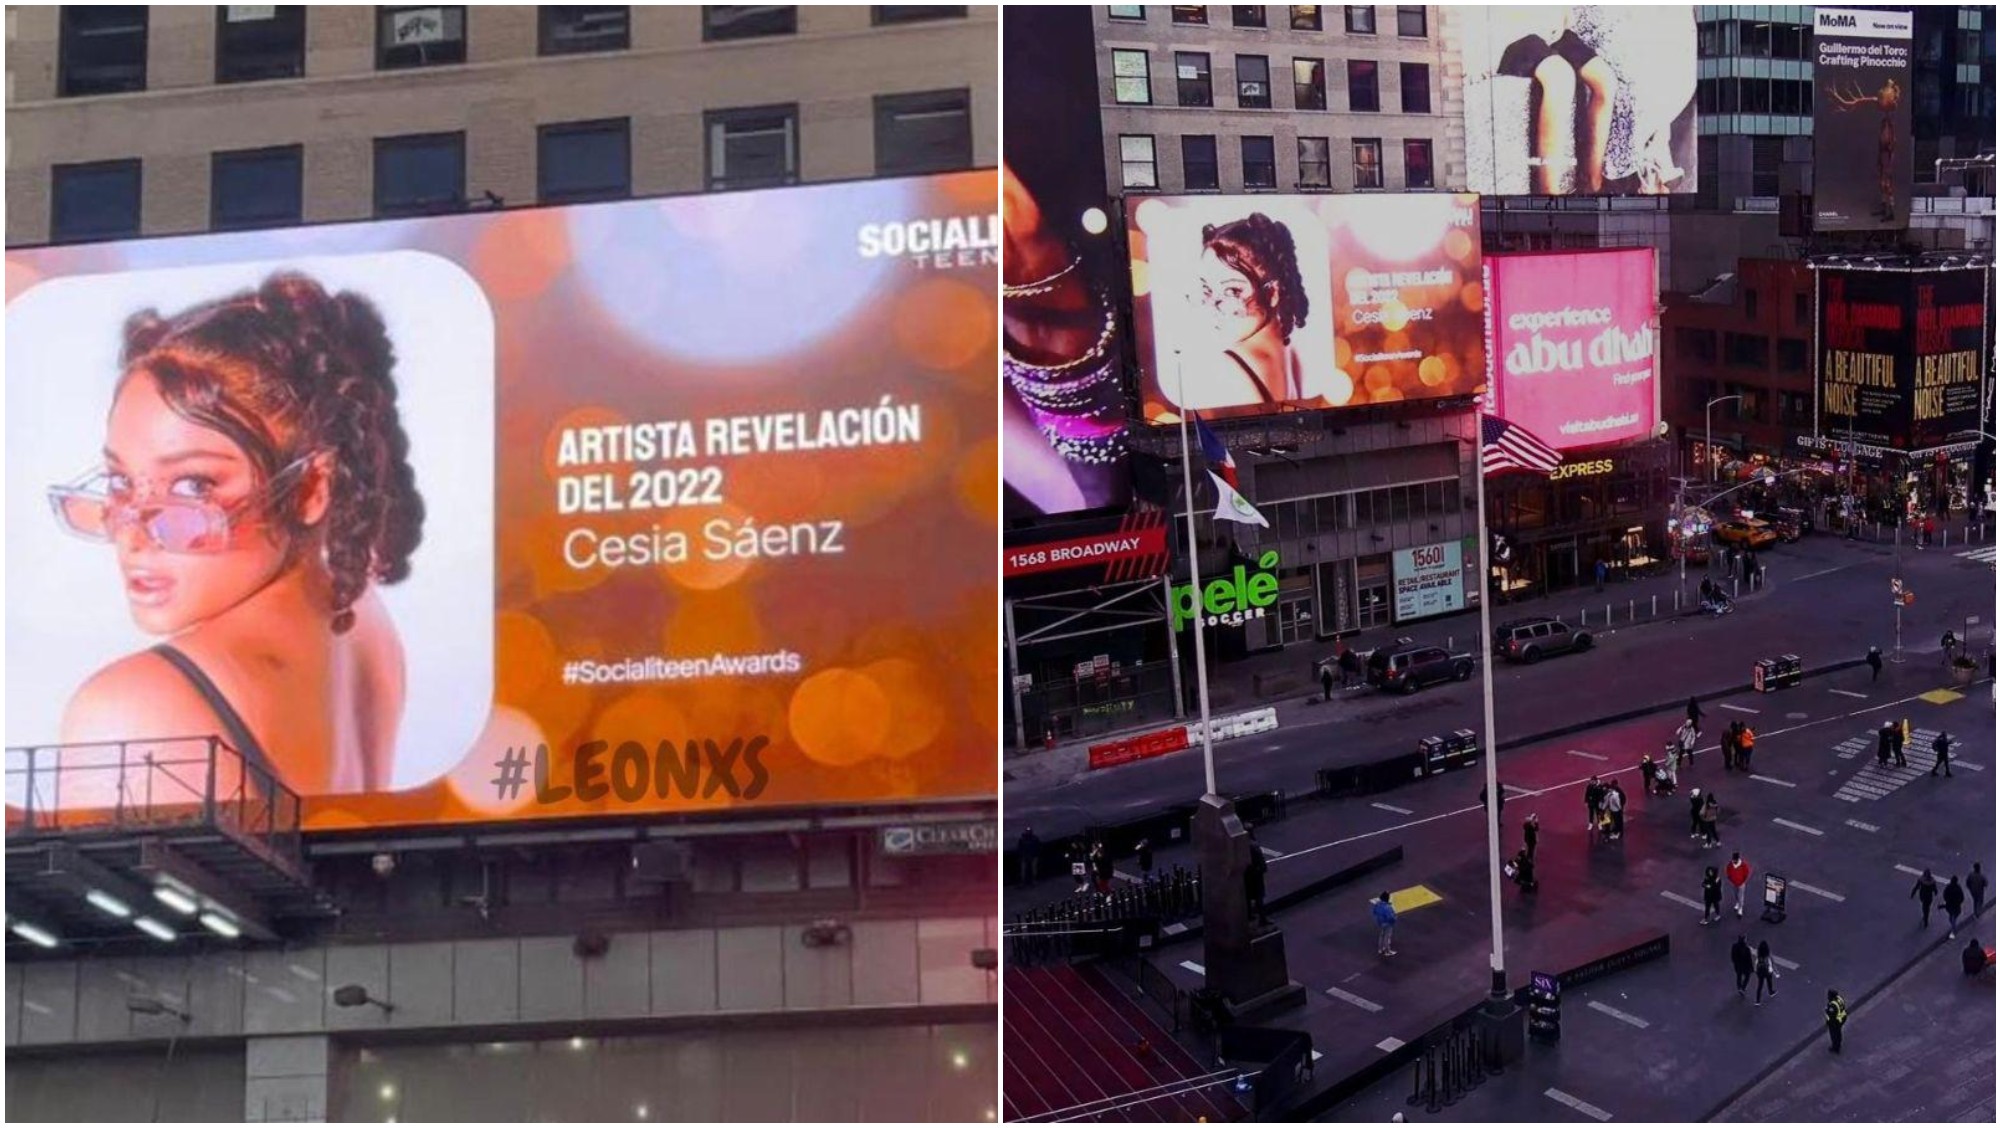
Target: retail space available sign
1574, 349
1429, 580
1902, 357
1862, 167
1232, 600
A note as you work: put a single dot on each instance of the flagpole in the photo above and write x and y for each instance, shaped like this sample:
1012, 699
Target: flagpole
1194, 578
1484, 655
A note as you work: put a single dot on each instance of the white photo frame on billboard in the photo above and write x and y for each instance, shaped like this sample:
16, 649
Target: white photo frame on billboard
442, 329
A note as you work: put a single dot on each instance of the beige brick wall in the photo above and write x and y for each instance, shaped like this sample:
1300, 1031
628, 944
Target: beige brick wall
832, 68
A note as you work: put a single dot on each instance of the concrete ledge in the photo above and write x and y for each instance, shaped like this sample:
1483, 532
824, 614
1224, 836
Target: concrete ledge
1306, 892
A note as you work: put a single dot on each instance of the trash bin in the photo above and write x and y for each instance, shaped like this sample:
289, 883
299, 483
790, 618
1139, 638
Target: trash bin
1777, 673
1763, 676
1791, 669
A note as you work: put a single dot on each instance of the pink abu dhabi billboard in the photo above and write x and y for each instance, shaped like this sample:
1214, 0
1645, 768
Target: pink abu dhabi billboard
1570, 338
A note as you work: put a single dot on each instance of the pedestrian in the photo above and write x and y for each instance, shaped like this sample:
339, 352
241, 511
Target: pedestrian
1670, 779
1145, 851
1746, 745
1707, 590
1350, 667
1744, 962
1326, 681
1730, 736
1614, 805
1531, 830
1925, 891
1975, 885
1027, 855
1767, 972
1649, 772
1738, 872
1711, 896
1875, 663
1079, 864
1522, 870
1694, 713
1941, 748
1100, 867
1603, 570
1253, 881
1385, 926
1898, 738
1694, 813
1836, 1017
1885, 742
1749, 567
1711, 813
1502, 813
1953, 898
1593, 798
1684, 742
1973, 959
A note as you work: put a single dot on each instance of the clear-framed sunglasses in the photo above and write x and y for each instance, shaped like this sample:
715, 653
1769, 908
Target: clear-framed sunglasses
92, 508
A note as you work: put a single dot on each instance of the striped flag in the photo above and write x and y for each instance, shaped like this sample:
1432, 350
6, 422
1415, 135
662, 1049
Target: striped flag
1230, 504
1503, 446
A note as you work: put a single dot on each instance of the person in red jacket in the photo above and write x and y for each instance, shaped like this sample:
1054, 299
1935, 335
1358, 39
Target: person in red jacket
1738, 872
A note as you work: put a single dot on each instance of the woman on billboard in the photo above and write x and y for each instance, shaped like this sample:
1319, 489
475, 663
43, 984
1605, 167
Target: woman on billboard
256, 487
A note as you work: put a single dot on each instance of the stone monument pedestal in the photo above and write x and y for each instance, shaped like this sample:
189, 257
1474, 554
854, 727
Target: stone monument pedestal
1245, 961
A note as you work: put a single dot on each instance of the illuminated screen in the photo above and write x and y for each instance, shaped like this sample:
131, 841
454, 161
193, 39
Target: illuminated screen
655, 506
1574, 351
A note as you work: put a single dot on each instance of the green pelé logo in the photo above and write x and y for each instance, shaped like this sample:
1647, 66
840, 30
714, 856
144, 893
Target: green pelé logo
1229, 601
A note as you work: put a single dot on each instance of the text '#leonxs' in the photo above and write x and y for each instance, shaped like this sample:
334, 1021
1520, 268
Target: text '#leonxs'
633, 771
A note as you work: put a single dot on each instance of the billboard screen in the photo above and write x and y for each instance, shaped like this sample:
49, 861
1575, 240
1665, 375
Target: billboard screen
1861, 119
597, 510
1430, 580
1243, 305
1902, 357
1574, 356
1063, 402
1578, 100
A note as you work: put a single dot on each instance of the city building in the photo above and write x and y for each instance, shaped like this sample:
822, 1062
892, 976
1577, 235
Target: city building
1746, 340
1276, 98
157, 120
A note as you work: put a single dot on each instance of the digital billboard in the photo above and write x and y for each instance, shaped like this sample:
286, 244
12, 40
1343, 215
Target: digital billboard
1861, 119
1902, 357
1578, 100
1063, 403
1244, 305
1574, 349
675, 505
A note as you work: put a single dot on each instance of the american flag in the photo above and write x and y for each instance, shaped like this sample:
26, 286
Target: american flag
1503, 446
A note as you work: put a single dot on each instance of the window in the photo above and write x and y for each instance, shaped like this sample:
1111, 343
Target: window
255, 188
1361, 19
747, 21
1198, 162
102, 50
1247, 15
94, 201
419, 37
1308, 84
1141, 169
577, 29
1750, 302
1695, 344
1746, 349
585, 160
1131, 80
1411, 22
916, 13
1416, 88
1417, 167
1191, 73
1791, 354
1363, 94
1315, 165
929, 131
1306, 18
1802, 310
1260, 163
754, 147
1125, 11
259, 43
1367, 162
1190, 13
420, 173
1253, 82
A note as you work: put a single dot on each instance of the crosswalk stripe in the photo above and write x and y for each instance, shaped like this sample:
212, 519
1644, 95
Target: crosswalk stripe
1859, 825
1784, 963
1827, 893
1350, 997
1814, 831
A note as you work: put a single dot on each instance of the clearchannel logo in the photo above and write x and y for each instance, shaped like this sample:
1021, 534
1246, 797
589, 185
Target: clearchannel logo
949, 243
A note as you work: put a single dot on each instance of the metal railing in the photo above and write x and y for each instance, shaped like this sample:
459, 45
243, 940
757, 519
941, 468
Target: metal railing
137, 785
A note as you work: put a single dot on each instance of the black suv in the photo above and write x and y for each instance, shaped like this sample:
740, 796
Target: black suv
1531, 640
1410, 668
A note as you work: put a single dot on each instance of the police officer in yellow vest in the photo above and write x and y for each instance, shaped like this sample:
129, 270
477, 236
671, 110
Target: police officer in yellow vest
1836, 1016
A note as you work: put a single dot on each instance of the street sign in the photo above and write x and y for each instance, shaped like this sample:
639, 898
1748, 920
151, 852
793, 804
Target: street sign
1895, 587
1774, 896
1909, 599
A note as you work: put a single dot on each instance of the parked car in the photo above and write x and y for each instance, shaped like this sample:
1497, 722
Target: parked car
1790, 524
1752, 534
1531, 640
1407, 669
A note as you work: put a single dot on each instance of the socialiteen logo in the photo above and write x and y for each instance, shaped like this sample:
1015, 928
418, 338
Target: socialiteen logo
935, 244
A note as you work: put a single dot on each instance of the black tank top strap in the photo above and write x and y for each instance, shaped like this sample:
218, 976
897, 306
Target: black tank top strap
232, 722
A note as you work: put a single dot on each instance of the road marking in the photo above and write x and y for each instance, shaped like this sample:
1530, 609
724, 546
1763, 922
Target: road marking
1272, 854
1350, 997
1911, 870
1784, 963
1849, 693
1392, 810
1194, 967
1123, 876
1827, 893
1389, 1045
1577, 1103
1940, 696
1175, 929
1824, 572
1415, 897
1317, 1055
1587, 755
1970, 767
1628, 1019
1738, 708
1859, 825
1814, 831
1518, 790
1768, 779
1690, 902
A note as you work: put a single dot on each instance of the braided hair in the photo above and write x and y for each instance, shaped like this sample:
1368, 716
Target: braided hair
288, 371
1261, 249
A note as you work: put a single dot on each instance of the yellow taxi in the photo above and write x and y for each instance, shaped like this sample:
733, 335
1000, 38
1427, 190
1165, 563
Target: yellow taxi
1749, 533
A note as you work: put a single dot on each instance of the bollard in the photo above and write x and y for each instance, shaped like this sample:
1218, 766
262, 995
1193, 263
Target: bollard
1947, 538
1433, 1099
1655, 612
1416, 1083
1631, 610
1607, 614
1451, 1091
1583, 617
1735, 587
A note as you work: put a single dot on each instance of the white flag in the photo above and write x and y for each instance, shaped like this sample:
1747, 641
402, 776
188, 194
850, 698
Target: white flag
1233, 506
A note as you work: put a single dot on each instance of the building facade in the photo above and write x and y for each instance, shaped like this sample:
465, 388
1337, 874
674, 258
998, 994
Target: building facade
161, 120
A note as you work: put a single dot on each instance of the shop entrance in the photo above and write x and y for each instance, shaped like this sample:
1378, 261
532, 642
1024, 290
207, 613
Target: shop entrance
1295, 618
